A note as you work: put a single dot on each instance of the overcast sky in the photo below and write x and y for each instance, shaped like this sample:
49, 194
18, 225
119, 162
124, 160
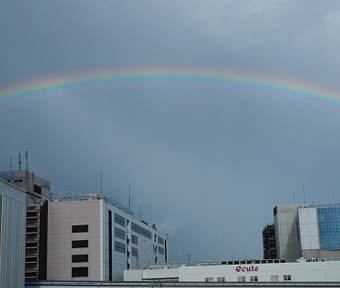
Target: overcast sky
207, 162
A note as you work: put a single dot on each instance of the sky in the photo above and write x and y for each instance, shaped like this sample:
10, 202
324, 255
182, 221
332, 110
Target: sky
207, 160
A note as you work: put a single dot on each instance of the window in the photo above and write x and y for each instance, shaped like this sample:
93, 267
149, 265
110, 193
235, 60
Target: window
80, 271
140, 230
161, 250
241, 279
134, 239
253, 279
37, 189
274, 278
119, 247
160, 240
119, 220
80, 228
80, 244
210, 279
134, 252
220, 279
287, 277
80, 258
119, 233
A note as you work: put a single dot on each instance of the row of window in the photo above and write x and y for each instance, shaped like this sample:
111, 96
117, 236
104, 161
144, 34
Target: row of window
273, 278
119, 233
119, 220
160, 240
140, 230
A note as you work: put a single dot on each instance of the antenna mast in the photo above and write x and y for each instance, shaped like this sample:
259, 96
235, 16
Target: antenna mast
27, 161
101, 181
19, 155
10, 162
129, 198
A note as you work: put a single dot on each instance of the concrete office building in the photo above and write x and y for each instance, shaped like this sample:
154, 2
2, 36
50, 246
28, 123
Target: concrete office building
308, 231
37, 192
91, 237
12, 235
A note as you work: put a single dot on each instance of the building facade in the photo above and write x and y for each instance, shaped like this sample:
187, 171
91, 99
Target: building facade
269, 243
241, 271
12, 235
308, 231
37, 193
91, 237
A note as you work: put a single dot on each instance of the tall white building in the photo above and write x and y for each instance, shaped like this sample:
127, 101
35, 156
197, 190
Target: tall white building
12, 235
91, 237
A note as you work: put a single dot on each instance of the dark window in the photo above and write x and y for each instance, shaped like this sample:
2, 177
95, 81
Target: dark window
80, 258
80, 271
37, 189
80, 244
80, 228
120, 233
161, 250
119, 220
134, 252
160, 240
140, 230
134, 239
120, 247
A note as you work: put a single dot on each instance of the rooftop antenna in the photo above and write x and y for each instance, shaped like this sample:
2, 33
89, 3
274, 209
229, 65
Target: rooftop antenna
304, 194
129, 198
294, 197
10, 162
140, 213
27, 160
19, 155
101, 181
189, 255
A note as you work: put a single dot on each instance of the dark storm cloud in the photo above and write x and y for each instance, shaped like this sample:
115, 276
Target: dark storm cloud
205, 161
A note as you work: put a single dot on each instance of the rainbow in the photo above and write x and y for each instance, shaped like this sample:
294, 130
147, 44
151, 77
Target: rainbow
185, 75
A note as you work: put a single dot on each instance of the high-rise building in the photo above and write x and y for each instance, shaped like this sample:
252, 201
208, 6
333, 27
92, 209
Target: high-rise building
269, 243
37, 192
91, 237
308, 231
12, 235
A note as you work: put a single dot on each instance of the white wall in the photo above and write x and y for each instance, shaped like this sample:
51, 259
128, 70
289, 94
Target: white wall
309, 231
12, 235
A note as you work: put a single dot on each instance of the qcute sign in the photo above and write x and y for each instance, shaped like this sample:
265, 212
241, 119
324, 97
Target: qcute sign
247, 269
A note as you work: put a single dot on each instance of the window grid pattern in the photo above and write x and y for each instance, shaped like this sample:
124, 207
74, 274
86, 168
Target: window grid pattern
161, 250
160, 240
119, 233
134, 239
134, 252
119, 220
329, 228
140, 230
120, 247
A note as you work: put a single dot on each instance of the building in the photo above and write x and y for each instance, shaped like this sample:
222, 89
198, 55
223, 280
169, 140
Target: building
37, 193
91, 237
269, 243
308, 231
35, 186
241, 271
12, 235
